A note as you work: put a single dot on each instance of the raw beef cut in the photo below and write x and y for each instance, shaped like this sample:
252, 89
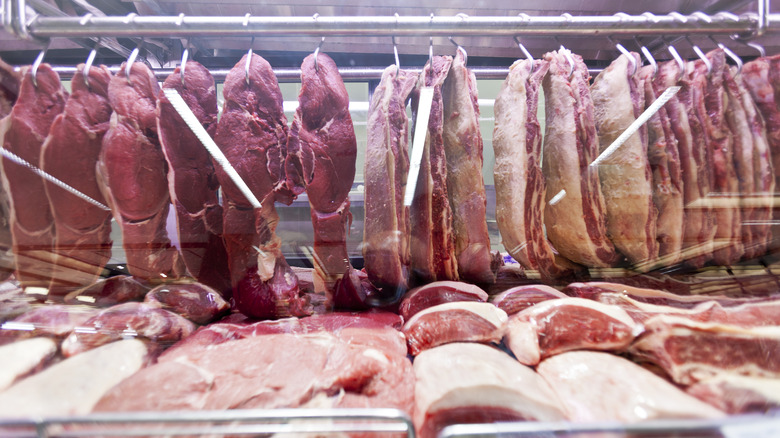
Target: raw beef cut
192, 181
520, 184
432, 242
24, 131
438, 292
10, 81
595, 386
465, 185
194, 301
464, 321
22, 358
55, 321
737, 394
321, 154
73, 386
472, 383
128, 320
386, 223
567, 324
753, 164
594, 289
618, 98
692, 351
519, 298
667, 183
575, 214
133, 172
82, 243
109, 291
252, 133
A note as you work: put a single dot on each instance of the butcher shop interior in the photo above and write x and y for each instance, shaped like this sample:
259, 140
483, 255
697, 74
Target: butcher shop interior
457, 219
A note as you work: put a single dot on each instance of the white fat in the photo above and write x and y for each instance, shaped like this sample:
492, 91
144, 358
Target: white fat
22, 357
486, 311
376, 355
522, 338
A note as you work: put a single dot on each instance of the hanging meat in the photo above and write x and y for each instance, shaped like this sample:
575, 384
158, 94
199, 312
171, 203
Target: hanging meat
575, 215
322, 150
10, 80
192, 181
618, 98
386, 224
24, 131
432, 241
252, 133
667, 183
519, 182
70, 153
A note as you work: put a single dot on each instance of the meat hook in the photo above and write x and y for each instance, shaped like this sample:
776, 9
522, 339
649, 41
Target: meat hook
567, 54
319, 46
129, 63
648, 56
184, 55
395, 50
36, 64
679, 60
737, 60
461, 49
701, 55
759, 47
623, 50
526, 53
248, 60
90, 61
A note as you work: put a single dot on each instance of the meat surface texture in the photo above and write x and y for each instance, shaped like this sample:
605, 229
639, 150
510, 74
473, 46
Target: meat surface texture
575, 213
438, 292
321, 154
133, 176
252, 133
691, 351
567, 324
82, 244
192, 181
194, 301
465, 185
109, 291
432, 242
24, 131
594, 289
54, 321
595, 386
667, 184
519, 298
130, 319
618, 98
386, 223
73, 386
23, 358
520, 184
454, 322
10, 81
737, 394
465, 383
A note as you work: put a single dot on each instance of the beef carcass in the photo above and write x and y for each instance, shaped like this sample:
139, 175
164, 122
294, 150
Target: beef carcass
386, 223
438, 292
691, 351
73, 386
24, 131
520, 184
575, 220
133, 171
567, 324
252, 133
618, 98
472, 383
667, 184
82, 243
519, 298
595, 386
194, 301
737, 394
465, 185
321, 154
192, 182
432, 240
464, 321
20, 359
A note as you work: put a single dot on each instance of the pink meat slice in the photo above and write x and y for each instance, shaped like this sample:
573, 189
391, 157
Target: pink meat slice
252, 133
70, 153
519, 298
133, 172
31, 219
192, 181
438, 292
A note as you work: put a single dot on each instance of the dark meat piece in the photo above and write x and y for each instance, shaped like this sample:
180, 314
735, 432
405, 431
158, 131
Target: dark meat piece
194, 301
113, 290
519, 298
438, 292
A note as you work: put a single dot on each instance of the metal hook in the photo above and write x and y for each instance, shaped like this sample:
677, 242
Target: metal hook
737, 60
567, 54
759, 47
701, 55
430, 46
648, 55
679, 60
129, 63
36, 64
88, 64
317, 53
628, 54
395, 49
527, 55
184, 55
461, 49
248, 60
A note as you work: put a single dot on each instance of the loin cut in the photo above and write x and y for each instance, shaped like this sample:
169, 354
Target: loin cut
519, 298
438, 292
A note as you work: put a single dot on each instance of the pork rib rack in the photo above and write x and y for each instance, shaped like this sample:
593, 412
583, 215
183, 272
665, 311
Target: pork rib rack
192, 181
25, 129
252, 134
322, 150
70, 153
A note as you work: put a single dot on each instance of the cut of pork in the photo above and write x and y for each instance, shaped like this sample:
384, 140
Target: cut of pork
438, 292
737, 394
22, 358
23, 132
386, 223
593, 289
575, 214
520, 184
465, 321
625, 176
465, 383
520, 298
595, 386
192, 181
